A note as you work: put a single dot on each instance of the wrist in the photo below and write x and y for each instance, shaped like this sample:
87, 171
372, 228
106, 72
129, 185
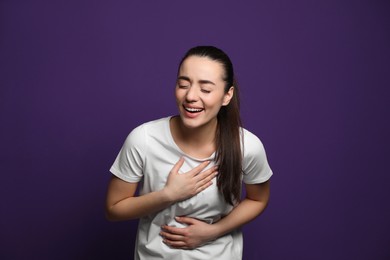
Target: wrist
167, 196
216, 231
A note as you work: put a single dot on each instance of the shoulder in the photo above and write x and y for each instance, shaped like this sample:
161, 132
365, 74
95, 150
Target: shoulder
251, 144
154, 125
255, 164
139, 135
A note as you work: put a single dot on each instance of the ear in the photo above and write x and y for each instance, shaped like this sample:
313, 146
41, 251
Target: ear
228, 96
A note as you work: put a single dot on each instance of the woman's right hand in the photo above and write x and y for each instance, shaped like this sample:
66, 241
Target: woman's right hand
181, 186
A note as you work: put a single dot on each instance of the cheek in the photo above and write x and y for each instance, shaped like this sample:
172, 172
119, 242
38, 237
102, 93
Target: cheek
177, 95
214, 102
179, 98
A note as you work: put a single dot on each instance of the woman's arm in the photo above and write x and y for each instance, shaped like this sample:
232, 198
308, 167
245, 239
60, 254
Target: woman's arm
198, 232
121, 204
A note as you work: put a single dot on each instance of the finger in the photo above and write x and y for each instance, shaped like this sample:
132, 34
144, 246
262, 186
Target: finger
208, 174
171, 237
206, 182
186, 220
203, 187
178, 165
198, 168
176, 244
202, 184
173, 230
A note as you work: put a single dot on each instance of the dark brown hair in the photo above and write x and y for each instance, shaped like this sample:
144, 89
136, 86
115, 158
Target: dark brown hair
228, 156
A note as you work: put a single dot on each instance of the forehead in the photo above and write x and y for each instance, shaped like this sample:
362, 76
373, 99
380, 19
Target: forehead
201, 68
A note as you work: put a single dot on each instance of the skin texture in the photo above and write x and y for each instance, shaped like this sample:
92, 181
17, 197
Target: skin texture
200, 89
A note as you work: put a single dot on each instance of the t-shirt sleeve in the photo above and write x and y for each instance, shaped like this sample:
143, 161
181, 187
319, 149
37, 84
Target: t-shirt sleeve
129, 163
255, 164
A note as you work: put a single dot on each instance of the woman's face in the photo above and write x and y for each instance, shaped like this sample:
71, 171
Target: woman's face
200, 91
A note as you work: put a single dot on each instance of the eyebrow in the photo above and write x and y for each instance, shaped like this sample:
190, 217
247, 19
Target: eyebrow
202, 81
184, 78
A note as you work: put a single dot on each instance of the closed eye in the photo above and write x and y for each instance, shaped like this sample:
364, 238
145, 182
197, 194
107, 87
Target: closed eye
205, 91
183, 86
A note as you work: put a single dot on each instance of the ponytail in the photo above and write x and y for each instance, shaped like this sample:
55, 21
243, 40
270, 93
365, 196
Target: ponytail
228, 155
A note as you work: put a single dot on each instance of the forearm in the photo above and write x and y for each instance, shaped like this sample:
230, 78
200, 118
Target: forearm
136, 207
197, 232
246, 211
257, 196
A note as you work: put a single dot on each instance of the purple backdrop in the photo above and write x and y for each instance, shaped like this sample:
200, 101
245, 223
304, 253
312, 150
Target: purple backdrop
77, 76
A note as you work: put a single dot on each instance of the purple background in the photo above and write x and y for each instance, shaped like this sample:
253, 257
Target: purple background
77, 76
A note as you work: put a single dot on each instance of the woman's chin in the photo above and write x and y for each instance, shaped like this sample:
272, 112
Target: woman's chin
196, 122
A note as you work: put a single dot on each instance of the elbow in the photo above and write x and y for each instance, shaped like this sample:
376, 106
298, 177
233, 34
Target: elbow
263, 203
114, 214
110, 215
258, 206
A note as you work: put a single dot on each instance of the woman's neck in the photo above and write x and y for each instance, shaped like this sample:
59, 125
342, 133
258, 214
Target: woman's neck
200, 140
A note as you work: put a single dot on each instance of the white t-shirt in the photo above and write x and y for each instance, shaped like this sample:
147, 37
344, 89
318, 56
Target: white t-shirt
148, 155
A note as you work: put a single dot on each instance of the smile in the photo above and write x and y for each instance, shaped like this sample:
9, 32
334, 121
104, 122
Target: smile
193, 110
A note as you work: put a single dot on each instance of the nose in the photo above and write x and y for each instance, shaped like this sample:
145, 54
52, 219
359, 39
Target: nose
191, 95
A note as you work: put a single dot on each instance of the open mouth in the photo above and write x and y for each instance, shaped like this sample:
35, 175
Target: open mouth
193, 110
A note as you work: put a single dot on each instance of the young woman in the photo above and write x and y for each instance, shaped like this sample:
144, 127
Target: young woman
192, 167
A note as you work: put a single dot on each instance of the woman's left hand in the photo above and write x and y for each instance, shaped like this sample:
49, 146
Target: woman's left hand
194, 235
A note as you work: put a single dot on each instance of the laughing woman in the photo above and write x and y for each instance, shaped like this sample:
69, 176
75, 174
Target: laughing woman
191, 168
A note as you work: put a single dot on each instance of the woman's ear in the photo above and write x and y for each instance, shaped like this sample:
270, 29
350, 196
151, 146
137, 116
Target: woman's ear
228, 96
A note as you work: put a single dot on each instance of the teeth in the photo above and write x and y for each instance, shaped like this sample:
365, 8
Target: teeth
193, 109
